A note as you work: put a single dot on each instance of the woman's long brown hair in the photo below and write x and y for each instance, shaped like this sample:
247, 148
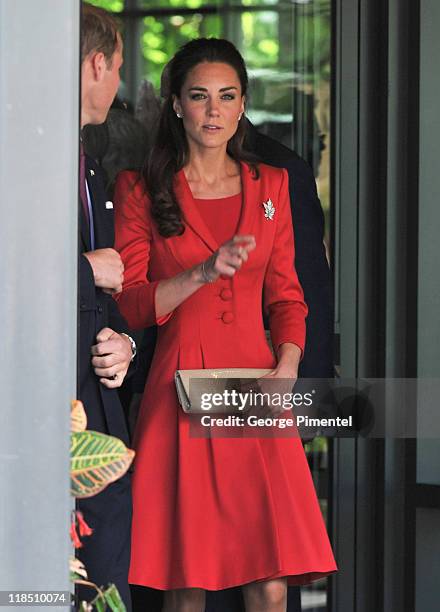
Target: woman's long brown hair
170, 152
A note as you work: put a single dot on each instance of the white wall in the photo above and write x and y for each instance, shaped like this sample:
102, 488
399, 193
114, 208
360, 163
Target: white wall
39, 60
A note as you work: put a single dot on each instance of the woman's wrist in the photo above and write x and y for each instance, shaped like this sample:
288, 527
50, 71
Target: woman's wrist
200, 275
289, 355
286, 370
205, 275
204, 272
196, 275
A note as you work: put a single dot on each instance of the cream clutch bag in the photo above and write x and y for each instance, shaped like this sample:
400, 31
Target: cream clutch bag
211, 381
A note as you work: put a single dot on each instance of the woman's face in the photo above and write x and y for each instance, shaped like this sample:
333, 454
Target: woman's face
210, 104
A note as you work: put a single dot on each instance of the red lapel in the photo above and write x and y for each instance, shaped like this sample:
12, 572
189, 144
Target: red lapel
251, 191
193, 219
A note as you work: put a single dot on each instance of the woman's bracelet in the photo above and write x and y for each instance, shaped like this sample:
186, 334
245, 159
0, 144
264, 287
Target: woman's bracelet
205, 276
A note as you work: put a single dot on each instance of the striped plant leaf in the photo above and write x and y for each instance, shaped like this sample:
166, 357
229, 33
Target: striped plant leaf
78, 418
96, 460
108, 599
114, 600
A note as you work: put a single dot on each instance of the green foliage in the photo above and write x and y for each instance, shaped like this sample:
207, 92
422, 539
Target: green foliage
113, 6
192, 4
162, 36
106, 599
270, 38
113, 599
96, 460
319, 444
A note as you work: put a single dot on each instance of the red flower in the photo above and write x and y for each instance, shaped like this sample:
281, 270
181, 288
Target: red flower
84, 529
74, 536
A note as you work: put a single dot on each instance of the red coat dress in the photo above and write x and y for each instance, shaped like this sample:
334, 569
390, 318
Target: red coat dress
218, 512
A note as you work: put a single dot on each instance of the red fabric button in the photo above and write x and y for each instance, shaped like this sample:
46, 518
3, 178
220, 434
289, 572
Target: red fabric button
227, 317
226, 294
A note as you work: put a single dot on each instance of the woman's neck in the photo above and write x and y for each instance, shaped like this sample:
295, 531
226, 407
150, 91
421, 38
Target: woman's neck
212, 173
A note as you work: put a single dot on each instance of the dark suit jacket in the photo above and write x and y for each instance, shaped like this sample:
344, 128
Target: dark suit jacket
310, 261
97, 310
106, 554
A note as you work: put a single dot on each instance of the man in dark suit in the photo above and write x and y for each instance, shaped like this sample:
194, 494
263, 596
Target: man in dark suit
105, 350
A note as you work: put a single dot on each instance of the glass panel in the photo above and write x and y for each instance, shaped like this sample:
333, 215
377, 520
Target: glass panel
288, 53
428, 461
428, 349
287, 50
427, 559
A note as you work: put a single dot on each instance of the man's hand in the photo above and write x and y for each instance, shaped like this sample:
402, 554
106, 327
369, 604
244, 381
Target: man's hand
108, 269
112, 354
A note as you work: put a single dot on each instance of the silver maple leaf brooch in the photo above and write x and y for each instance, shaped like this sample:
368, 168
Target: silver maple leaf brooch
269, 209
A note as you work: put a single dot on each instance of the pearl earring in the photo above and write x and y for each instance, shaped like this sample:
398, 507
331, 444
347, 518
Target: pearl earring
178, 115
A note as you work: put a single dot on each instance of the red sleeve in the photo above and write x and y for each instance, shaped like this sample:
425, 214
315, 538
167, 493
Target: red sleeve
132, 239
283, 295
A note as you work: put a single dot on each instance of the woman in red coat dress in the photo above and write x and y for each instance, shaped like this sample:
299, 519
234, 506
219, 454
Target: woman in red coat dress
201, 244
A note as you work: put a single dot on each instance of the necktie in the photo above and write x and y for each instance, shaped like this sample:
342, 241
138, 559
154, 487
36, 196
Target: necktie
85, 198
82, 182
